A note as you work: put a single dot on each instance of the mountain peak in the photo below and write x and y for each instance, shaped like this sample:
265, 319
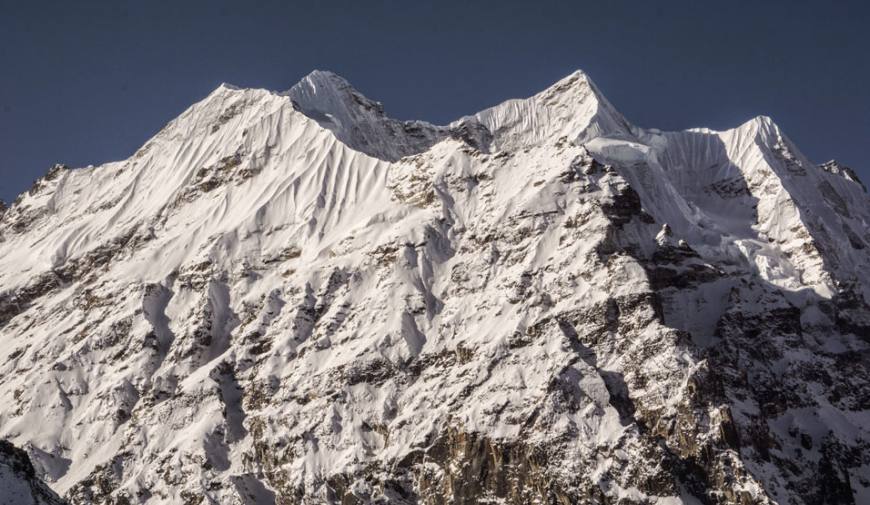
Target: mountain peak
326, 91
357, 120
576, 80
319, 76
572, 108
228, 86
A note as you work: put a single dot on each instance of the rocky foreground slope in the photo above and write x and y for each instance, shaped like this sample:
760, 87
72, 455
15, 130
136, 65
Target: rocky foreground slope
292, 298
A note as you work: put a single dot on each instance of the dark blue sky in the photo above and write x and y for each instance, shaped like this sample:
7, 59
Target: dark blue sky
88, 82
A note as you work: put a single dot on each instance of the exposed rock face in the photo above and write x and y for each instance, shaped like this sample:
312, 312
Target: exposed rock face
292, 298
19, 484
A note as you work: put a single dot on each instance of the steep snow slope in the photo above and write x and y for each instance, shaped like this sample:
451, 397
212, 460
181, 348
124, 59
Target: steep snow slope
292, 298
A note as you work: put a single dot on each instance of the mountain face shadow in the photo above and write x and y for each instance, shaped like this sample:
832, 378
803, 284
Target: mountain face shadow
758, 336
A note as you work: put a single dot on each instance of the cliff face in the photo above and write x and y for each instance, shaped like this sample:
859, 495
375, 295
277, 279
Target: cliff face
292, 298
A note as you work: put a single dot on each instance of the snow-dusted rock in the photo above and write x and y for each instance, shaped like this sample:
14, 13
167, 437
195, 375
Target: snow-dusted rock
293, 298
19, 484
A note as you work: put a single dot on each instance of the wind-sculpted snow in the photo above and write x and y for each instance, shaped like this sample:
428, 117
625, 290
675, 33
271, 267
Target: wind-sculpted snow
293, 298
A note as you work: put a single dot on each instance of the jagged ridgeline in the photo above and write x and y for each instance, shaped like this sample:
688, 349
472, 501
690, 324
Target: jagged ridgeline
291, 298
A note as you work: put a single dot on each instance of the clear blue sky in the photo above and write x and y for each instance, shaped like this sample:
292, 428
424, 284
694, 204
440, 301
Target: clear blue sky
89, 82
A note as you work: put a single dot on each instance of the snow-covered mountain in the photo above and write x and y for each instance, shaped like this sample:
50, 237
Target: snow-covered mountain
293, 298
